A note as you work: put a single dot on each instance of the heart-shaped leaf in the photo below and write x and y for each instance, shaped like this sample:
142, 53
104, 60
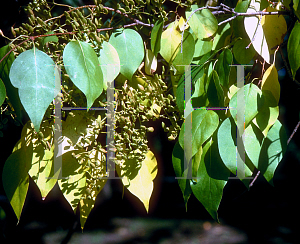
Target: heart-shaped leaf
130, 47
82, 65
33, 73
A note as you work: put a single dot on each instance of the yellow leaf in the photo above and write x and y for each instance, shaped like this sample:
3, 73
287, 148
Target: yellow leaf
274, 27
182, 23
141, 183
170, 43
270, 82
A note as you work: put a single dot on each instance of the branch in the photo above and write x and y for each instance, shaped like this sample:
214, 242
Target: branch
224, 9
294, 131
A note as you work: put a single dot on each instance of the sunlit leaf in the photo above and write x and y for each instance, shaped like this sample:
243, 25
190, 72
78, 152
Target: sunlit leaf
256, 34
253, 102
130, 48
204, 123
82, 65
273, 149
139, 181
227, 144
270, 82
203, 23
109, 62
150, 62
73, 181
275, 28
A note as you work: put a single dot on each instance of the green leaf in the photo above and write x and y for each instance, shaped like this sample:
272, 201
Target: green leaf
73, 183
293, 49
15, 178
242, 53
203, 23
156, 36
238, 22
212, 178
222, 37
180, 171
253, 101
273, 149
223, 67
202, 47
204, 123
49, 38
88, 199
130, 48
227, 136
109, 62
253, 142
12, 92
2, 92
82, 65
186, 57
33, 73
196, 73
215, 92
268, 114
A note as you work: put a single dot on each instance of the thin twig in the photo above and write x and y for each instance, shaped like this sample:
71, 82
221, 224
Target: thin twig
294, 131
224, 9
256, 176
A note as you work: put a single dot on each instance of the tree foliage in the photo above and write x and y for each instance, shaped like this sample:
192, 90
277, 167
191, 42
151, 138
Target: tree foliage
77, 57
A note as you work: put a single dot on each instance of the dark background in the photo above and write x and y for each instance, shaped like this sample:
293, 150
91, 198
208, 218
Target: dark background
265, 214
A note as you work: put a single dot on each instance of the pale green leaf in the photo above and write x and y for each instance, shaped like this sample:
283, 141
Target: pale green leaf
109, 62
203, 23
33, 73
227, 143
82, 65
130, 48
253, 142
273, 149
253, 102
